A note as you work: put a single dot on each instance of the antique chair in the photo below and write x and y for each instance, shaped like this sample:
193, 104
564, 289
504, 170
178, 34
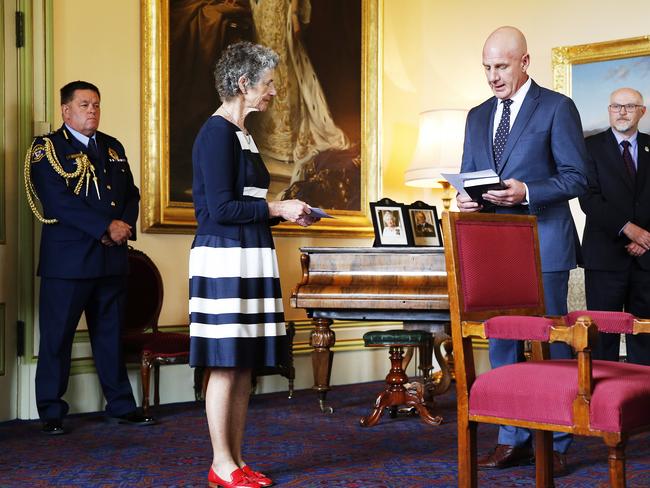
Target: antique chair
495, 291
142, 341
396, 393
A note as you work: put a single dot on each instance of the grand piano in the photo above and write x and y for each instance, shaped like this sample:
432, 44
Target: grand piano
405, 284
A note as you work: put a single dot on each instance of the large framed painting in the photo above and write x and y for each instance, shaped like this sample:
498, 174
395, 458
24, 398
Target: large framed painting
319, 138
589, 73
2, 131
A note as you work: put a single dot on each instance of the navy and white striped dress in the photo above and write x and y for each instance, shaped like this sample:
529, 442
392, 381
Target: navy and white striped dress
236, 313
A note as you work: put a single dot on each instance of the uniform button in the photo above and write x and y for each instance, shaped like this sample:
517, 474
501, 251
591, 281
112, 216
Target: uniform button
104, 171
112, 204
109, 187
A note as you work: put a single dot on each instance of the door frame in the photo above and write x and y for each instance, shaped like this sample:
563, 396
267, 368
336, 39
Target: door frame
34, 87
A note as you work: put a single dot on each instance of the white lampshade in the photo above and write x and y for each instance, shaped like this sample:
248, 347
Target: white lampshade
439, 148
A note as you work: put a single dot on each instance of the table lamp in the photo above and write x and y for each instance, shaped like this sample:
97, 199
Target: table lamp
439, 149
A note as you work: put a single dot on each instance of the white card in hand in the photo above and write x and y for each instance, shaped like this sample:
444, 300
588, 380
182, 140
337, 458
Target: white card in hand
320, 213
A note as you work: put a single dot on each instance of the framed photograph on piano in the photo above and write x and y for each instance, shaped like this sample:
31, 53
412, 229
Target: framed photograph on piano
390, 223
425, 225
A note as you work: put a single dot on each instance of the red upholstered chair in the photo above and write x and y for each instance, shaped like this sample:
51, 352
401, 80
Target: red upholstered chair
495, 291
142, 341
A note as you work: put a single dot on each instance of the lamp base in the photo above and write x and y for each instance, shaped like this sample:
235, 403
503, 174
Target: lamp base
446, 194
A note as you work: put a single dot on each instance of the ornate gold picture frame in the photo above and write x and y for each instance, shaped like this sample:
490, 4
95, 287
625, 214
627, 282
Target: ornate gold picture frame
161, 214
588, 73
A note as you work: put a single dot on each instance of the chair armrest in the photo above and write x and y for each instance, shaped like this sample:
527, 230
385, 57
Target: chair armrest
581, 336
473, 329
641, 326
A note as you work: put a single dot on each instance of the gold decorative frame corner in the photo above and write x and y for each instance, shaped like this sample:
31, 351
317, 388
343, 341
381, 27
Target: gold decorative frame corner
563, 58
161, 215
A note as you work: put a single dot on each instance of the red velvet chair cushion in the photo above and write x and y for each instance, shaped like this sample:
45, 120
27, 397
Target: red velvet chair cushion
495, 280
620, 401
163, 344
611, 322
518, 327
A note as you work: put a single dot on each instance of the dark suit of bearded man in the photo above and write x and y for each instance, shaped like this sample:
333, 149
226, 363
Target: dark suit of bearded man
615, 278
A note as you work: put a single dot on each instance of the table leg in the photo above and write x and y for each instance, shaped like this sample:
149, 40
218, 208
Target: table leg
322, 339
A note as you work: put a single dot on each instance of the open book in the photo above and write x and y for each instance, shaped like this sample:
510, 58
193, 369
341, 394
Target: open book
475, 183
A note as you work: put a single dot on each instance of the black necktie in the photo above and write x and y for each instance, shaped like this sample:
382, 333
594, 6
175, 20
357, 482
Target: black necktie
92, 149
627, 157
501, 135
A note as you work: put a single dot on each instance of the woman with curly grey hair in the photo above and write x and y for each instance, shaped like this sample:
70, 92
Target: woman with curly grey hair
236, 314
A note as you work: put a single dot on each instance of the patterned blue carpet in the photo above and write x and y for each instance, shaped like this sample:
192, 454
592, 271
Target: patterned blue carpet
290, 440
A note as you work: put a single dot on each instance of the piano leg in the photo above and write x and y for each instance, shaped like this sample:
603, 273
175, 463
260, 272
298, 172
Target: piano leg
322, 339
441, 381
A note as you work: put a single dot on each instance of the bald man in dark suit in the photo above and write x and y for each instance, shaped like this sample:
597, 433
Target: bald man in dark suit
532, 137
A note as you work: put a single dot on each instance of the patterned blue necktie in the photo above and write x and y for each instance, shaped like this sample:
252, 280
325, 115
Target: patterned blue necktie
501, 135
627, 157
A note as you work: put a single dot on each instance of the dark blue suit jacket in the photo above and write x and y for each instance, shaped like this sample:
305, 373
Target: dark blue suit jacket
545, 150
613, 200
71, 248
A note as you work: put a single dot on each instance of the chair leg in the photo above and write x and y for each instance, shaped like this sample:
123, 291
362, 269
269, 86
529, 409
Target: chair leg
206, 378
467, 457
426, 358
145, 370
616, 461
544, 459
394, 394
417, 401
408, 355
383, 401
198, 383
156, 384
291, 370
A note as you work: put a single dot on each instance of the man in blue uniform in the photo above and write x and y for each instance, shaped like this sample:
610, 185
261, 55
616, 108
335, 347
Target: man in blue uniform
90, 207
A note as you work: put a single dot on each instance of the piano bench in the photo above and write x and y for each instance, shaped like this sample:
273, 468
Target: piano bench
395, 393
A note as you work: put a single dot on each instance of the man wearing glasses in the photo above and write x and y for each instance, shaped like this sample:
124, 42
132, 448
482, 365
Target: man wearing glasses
617, 231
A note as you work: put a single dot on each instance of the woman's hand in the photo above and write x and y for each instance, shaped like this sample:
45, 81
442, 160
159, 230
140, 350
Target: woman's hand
291, 210
307, 220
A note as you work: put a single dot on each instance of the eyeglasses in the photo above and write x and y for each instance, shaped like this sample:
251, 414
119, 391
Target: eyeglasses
629, 107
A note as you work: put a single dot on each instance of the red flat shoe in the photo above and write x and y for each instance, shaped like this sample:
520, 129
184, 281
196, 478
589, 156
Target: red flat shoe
261, 478
237, 480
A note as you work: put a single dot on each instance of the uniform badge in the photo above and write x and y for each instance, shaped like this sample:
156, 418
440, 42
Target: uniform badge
112, 153
38, 153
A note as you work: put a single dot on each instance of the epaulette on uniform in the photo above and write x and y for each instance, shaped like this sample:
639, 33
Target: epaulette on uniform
43, 148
